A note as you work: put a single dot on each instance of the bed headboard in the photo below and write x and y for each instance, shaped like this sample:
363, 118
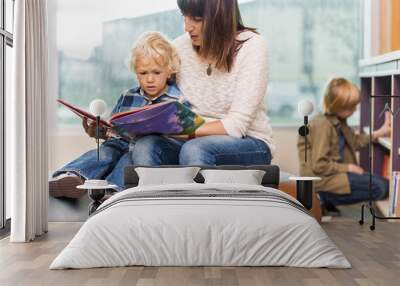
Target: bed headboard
270, 179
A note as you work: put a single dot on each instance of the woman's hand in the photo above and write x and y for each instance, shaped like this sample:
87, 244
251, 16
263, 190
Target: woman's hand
355, 169
180, 137
90, 128
211, 128
385, 129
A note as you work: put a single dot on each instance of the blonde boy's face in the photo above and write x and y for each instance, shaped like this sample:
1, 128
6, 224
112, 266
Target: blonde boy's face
152, 77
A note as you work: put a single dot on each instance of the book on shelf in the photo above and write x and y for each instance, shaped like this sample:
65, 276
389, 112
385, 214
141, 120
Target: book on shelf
385, 172
383, 141
394, 194
168, 118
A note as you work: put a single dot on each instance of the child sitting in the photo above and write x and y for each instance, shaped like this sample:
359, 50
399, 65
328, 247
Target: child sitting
155, 62
332, 151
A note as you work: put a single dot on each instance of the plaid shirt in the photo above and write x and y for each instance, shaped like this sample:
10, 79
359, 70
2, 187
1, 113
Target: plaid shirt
135, 98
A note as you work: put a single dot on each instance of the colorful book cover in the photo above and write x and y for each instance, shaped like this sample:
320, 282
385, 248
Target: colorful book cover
169, 118
385, 172
164, 118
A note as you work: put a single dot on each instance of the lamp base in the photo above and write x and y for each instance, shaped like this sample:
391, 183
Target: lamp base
304, 193
96, 195
373, 214
304, 187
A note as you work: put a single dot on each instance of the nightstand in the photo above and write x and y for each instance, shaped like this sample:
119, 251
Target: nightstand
289, 187
96, 192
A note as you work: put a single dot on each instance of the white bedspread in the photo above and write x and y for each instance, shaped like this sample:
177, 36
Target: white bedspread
267, 228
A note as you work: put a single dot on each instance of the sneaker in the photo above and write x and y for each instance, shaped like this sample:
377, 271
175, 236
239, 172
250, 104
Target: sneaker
65, 184
330, 210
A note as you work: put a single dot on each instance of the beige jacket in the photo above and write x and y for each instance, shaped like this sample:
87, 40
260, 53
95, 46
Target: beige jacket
323, 155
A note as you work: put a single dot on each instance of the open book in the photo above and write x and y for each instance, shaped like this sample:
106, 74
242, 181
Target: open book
169, 117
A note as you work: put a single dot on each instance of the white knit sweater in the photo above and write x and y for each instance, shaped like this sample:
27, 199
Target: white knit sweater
237, 97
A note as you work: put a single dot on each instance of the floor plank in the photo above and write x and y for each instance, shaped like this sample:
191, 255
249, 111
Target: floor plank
374, 255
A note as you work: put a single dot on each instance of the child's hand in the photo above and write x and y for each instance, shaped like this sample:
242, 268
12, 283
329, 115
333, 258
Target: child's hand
180, 137
90, 128
386, 126
355, 169
385, 129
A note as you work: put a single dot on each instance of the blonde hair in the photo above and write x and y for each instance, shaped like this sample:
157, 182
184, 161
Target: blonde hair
156, 46
340, 94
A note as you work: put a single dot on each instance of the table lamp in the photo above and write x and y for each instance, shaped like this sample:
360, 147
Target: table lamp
98, 108
304, 185
305, 108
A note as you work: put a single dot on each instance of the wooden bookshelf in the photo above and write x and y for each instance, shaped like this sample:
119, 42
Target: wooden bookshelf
380, 76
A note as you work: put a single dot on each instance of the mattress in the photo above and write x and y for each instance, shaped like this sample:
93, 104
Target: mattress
201, 225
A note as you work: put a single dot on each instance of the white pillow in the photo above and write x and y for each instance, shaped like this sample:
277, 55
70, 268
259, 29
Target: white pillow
248, 177
166, 176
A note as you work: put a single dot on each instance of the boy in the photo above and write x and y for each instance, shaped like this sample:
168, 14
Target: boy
155, 62
333, 145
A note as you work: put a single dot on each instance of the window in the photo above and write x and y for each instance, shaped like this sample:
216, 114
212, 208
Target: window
93, 50
309, 42
9, 19
6, 43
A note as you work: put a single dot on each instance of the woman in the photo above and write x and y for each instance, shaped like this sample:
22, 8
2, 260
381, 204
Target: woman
224, 76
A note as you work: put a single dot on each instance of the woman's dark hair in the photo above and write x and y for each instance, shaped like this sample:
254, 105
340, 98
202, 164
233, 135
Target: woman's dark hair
221, 24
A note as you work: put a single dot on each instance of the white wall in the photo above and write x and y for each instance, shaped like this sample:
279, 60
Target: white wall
65, 148
286, 151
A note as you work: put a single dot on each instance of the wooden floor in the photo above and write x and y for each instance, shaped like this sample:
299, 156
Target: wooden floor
375, 257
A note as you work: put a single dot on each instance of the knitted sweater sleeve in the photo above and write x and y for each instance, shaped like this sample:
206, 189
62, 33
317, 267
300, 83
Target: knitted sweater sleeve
252, 73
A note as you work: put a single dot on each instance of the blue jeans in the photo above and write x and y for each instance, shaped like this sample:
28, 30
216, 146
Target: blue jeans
114, 156
359, 185
208, 150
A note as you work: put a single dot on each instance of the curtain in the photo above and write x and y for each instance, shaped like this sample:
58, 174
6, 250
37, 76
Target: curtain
27, 127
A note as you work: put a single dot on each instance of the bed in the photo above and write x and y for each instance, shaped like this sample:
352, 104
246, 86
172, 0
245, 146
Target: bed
201, 224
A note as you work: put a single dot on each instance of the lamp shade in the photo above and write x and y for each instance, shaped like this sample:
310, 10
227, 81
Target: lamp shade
305, 107
98, 107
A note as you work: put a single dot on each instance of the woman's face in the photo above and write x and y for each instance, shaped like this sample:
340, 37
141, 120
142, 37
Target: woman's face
194, 26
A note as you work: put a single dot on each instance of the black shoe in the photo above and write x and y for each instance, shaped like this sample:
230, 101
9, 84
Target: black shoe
65, 185
330, 210
107, 195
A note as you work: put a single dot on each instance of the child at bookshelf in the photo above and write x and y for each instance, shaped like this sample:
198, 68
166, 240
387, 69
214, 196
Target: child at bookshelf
155, 62
332, 146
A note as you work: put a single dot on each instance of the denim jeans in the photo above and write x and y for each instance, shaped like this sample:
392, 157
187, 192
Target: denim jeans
359, 185
114, 156
208, 150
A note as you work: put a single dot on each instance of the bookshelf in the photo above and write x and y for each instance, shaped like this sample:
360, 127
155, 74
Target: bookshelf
386, 142
380, 76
